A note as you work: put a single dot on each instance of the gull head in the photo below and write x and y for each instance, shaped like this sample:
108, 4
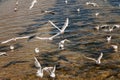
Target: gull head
78, 10
98, 62
17, 2
61, 46
97, 28
12, 47
15, 9
66, 1
87, 3
37, 50
61, 43
96, 14
115, 47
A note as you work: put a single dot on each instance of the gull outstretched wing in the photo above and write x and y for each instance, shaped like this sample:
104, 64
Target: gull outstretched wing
54, 25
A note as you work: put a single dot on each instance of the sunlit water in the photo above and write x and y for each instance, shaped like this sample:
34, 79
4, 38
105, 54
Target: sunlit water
84, 40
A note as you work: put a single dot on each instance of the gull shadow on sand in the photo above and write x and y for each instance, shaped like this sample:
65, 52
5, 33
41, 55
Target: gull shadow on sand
13, 63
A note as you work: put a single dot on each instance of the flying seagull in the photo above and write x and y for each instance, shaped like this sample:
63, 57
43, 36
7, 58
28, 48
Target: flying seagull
61, 43
39, 72
62, 30
50, 70
98, 60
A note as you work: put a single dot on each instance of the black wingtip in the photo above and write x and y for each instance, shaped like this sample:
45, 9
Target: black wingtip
31, 37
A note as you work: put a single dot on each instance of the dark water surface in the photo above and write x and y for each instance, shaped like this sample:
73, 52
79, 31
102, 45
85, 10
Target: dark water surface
84, 40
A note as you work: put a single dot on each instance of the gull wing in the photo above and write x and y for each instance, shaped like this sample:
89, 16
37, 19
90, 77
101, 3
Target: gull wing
2, 53
14, 39
37, 64
67, 40
51, 38
65, 25
31, 37
39, 72
7, 41
54, 69
47, 38
22, 37
90, 58
50, 69
101, 55
54, 25
44, 38
32, 4
47, 69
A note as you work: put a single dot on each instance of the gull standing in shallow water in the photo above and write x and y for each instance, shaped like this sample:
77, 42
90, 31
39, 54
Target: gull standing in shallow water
61, 44
62, 30
16, 3
32, 4
98, 61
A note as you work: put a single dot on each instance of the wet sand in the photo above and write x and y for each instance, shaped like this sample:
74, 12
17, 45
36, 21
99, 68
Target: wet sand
71, 64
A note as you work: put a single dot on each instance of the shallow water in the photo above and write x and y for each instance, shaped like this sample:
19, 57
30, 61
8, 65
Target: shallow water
84, 40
